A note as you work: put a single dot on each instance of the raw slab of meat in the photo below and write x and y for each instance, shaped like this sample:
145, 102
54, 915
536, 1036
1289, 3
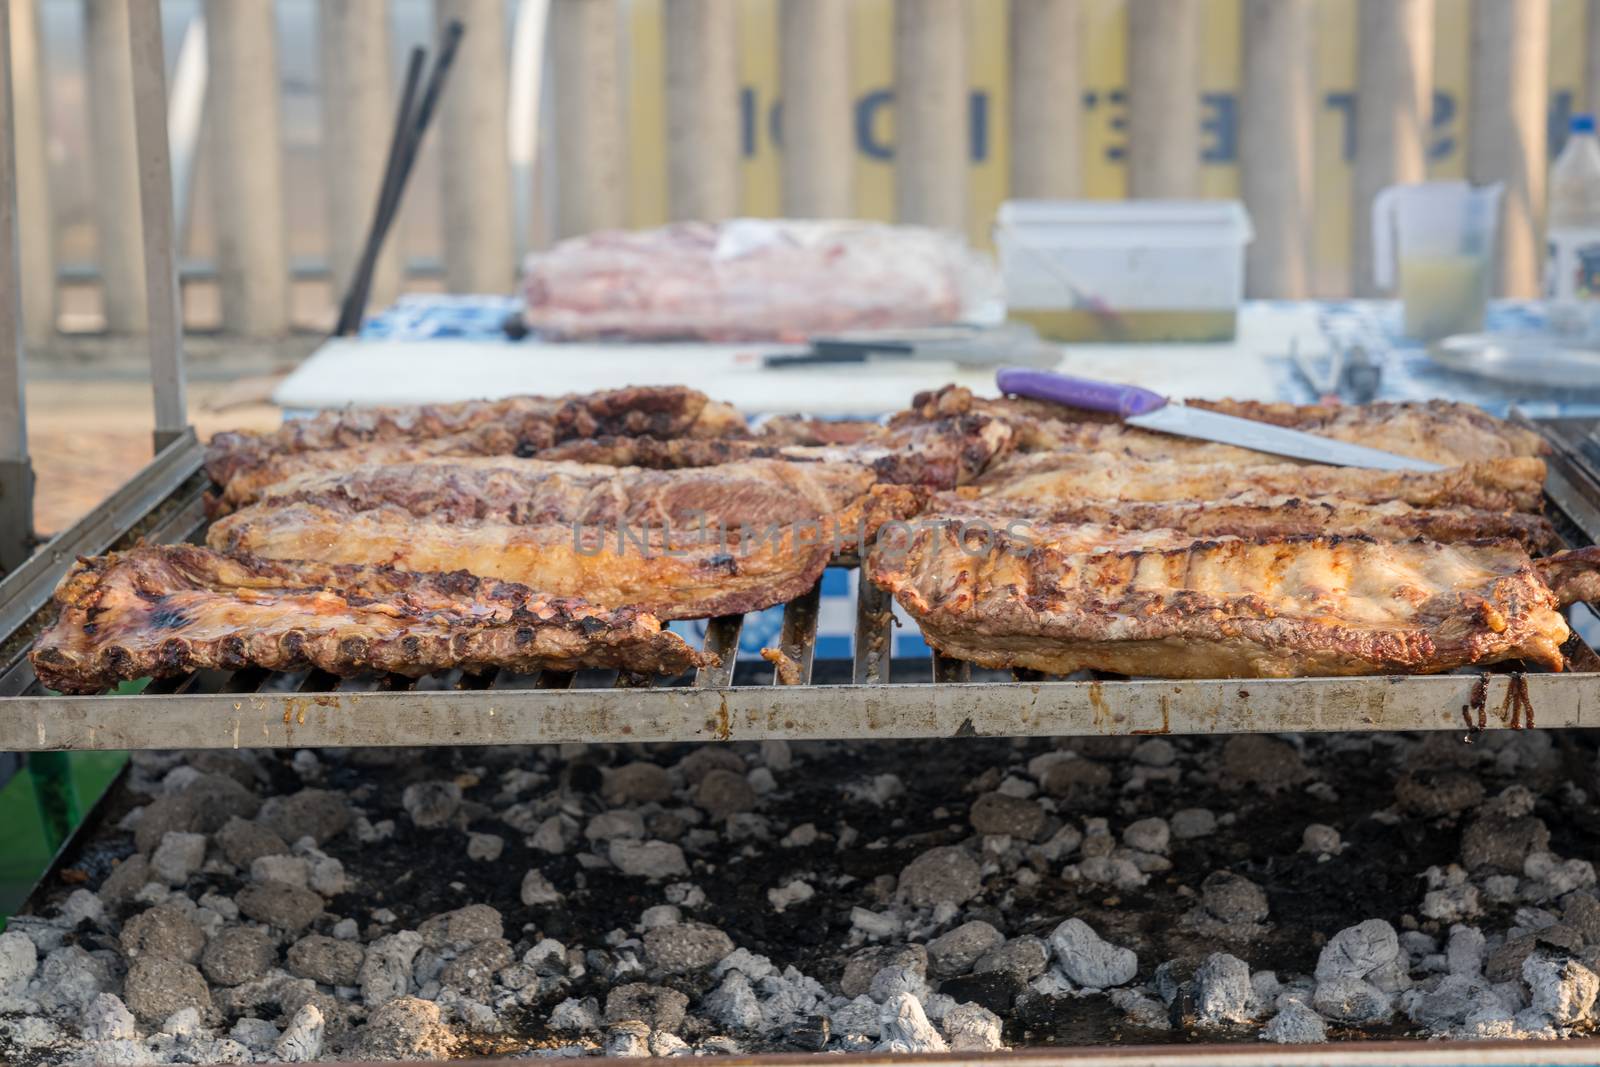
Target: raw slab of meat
752, 280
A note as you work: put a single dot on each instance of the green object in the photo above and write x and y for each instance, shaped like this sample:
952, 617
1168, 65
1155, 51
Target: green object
39, 810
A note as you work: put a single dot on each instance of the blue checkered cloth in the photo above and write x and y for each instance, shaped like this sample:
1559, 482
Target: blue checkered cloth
1408, 373
431, 316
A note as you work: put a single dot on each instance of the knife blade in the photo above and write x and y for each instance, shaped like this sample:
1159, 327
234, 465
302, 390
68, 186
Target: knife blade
1151, 411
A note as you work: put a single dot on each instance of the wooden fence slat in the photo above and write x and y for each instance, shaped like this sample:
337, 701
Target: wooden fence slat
1164, 97
591, 154
120, 247
702, 96
1591, 57
357, 115
930, 112
814, 85
35, 222
1045, 104
1506, 138
473, 150
1394, 104
1275, 146
247, 166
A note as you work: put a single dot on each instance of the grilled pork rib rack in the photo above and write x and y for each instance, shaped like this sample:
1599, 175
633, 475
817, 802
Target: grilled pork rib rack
164, 610
1018, 533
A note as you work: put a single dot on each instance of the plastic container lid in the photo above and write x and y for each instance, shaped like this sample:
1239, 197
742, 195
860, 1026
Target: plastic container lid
1131, 223
1581, 123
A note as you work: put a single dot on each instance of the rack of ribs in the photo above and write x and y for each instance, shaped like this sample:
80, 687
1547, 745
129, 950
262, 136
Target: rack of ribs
681, 544
1514, 484
1159, 604
1251, 515
515, 424
156, 611
937, 455
1439, 431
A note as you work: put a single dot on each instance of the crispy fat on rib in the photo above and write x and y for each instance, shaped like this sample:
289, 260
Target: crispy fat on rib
162, 610
1069, 478
525, 422
1297, 606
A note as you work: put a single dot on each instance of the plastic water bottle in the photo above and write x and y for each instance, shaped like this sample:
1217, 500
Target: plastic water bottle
1572, 267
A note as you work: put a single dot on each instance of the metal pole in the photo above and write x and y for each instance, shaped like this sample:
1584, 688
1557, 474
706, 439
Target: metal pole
1506, 130
702, 90
1046, 98
1277, 114
16, 473
116, 167
1394, 103
357, 112
476, 173
1164, 98
591, 150
162, 295
814, 75
37, 232
246, 166
930, 113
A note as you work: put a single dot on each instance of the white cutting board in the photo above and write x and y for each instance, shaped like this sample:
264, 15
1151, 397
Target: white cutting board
371, 373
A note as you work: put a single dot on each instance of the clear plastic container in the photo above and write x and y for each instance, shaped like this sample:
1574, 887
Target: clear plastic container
1437, 241
1125, 270
1572, 266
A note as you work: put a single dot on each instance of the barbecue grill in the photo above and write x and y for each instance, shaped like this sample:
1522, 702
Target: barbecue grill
871, 695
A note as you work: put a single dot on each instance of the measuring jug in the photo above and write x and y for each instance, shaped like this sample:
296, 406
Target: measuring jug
1441, 237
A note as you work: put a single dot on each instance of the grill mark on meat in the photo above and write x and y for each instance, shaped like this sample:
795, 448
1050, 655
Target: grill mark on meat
235, 612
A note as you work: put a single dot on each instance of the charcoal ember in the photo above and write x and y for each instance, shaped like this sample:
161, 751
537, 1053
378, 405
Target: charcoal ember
202, 807
165, 931
1435, 793
1263, 762
1496, 842
320, 814
327, 960
287, 907
1233, 898
947, 874
636, 783
955, 951
238, 954
657, 1006
995, 990
684, 947
810, 1034
157, 987
1000, 813
244, 842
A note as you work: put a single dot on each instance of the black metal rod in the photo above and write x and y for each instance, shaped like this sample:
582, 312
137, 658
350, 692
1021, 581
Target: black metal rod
389, 199
360, 284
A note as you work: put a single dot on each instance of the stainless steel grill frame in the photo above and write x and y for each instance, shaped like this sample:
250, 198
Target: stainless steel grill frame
863, 698
736, 701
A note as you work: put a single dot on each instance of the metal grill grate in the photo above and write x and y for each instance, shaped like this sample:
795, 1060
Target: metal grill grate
873, 694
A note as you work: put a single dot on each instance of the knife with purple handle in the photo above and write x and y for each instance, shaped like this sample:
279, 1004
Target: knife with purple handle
1152, 411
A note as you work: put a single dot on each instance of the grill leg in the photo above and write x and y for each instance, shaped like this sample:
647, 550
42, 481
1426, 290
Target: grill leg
16, 513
